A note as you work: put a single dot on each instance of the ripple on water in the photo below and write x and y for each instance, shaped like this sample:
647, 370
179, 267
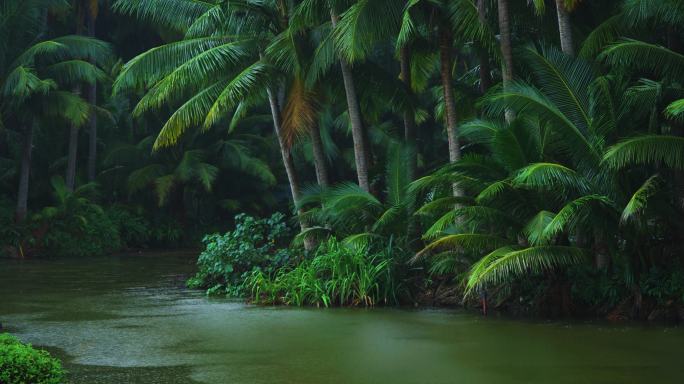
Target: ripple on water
128, 319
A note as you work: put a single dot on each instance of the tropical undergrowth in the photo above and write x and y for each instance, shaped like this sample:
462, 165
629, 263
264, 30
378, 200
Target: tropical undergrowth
76, 225
229, 258
335, 275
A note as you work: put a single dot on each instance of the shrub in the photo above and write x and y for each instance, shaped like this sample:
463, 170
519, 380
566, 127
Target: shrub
254, 244
134, 230
21, 363
87, 231
75, 225
336, 275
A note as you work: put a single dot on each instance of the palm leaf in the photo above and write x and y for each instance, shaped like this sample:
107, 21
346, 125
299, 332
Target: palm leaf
508, 263
647, 149
640, 199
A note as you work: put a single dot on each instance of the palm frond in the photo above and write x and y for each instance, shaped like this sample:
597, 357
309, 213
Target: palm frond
468, 242
253, 79
675, 109
549, 176
175, 14
508, 263
647, 149
645, 56
575, 214
534, 230
300, 114
640, 199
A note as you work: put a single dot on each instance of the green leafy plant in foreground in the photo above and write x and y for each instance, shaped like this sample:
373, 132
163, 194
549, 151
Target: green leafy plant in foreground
21, 363
254, 244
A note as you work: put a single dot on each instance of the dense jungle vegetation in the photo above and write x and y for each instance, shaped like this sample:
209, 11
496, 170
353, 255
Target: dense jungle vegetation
524, 153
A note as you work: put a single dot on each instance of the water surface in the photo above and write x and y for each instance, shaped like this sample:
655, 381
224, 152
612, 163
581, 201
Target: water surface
129, 319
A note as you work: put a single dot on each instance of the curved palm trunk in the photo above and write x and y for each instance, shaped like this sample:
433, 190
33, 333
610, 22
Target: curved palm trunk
24, 173
409, 116
483, 56
92, 122
361, 152
319, 157
290, 170
564, 28
506, 49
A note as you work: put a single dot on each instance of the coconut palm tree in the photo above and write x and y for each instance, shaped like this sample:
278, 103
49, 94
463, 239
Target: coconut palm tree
444, 20
360, 217
35, 71
219, 67
546, 191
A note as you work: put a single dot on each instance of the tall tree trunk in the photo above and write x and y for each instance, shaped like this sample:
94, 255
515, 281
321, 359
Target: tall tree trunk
290, 170
70, 179
72, 153
409, 116
564, 28
412, 229
445, 59
506, 49
483, 56
361, 152
92, 122
320, 162
24, 173
446, 62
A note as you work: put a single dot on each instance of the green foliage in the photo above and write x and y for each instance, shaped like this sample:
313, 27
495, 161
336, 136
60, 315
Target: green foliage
21, 363
133, 229
76, 226
664, 284
574, 157
336, 275
254, 244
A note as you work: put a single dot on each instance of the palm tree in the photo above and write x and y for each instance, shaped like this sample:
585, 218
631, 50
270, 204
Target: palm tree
547, 190
563, 9
220, 62
361, 154
447, 19
291, 53
34, 71
92, 10
506, 48
359, 216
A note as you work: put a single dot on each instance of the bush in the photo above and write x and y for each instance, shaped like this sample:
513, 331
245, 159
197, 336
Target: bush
75, 225
134, 230
254, 244
87, 231
336, 275
21, 363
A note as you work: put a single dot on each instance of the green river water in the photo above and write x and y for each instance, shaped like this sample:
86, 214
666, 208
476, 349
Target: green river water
129, 319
